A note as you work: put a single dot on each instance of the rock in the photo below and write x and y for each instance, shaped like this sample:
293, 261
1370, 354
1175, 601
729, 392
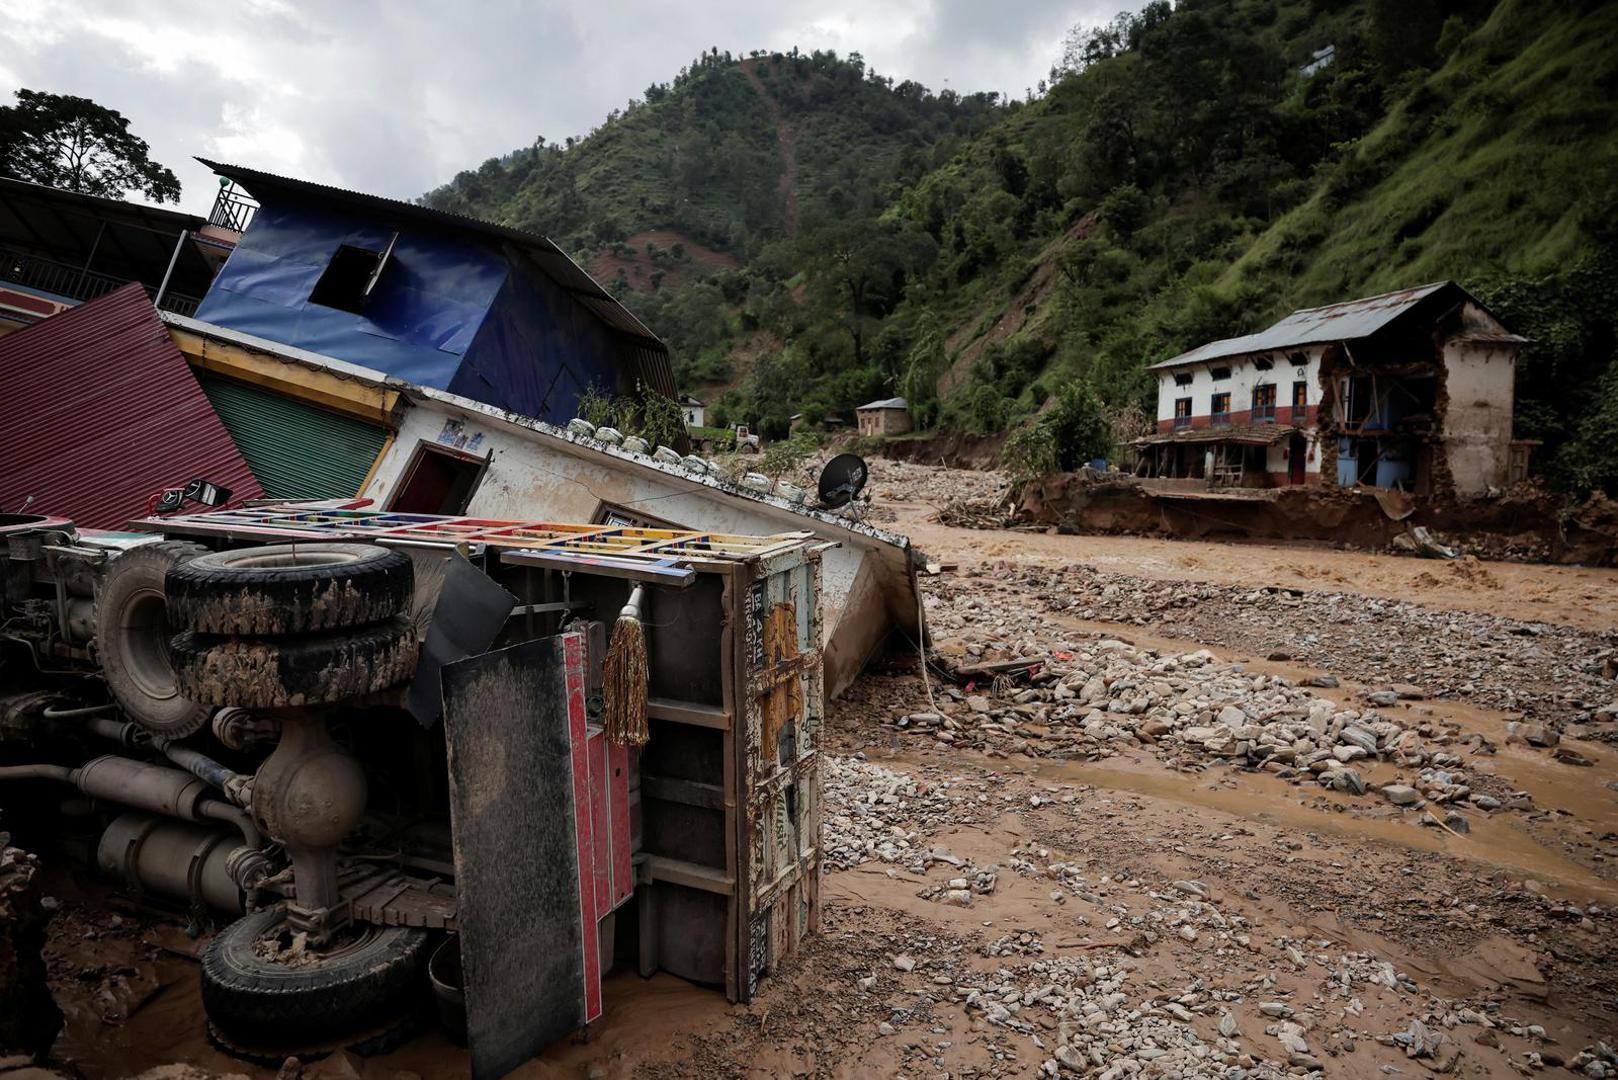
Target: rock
1231, 716
979, 704
868, 983
1189, 933
1569, 756
1409, 691
904, 962
1485, 802
1401, 794
1227, 1026
1348, 781
1382, 699
1457, 822
1355, 735
885, 1028
1325, 682
1275, 1008
1537, 734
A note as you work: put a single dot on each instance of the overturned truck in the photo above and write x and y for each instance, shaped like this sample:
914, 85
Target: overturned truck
373, 744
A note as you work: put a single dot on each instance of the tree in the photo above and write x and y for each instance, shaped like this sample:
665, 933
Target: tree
860, 269
72, 143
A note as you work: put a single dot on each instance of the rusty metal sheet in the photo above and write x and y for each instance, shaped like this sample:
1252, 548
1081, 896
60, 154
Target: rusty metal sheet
525, 941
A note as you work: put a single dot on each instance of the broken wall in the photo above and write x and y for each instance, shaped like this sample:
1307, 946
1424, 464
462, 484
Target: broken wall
1477, 421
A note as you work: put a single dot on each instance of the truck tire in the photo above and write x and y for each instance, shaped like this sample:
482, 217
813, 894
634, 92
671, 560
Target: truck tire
132, 639
251, 996
289, 589
265, 673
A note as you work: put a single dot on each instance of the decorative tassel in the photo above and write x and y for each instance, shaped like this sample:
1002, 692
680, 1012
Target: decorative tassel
625, 675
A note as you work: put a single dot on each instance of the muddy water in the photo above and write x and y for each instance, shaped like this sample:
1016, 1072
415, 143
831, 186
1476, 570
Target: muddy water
1497, 841
1579, 793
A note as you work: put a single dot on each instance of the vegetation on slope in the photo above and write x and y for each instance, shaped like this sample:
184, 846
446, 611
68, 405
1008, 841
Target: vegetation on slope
1179, 179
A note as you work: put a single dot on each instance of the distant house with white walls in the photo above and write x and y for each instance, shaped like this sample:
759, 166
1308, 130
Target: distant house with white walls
1410, 389
694, 411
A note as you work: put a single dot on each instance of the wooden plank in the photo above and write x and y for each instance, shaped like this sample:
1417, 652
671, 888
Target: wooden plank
691, 875
685, 792
688, 712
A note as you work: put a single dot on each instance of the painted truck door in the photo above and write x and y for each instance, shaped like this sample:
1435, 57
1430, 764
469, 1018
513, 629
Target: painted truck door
520, 804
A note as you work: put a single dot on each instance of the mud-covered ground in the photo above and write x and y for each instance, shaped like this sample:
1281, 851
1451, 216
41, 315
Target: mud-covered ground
1100, 870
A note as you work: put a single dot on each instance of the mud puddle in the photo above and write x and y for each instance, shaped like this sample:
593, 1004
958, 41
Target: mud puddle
1499, 841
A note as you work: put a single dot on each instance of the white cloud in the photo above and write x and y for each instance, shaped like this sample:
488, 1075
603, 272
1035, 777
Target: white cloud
396, 97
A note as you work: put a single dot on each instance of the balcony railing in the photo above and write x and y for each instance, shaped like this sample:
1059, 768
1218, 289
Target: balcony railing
1220, 419
76, 283
1182, 421
233, 209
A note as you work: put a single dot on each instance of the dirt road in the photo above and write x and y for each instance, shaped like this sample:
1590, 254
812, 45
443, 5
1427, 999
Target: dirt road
1164, 854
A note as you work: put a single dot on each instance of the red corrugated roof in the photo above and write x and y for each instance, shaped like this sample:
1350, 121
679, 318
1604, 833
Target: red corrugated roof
99, 411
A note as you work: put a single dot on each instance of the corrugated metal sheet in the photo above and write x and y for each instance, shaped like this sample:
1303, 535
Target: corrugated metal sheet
885, 403
99, 411
1348, 321
296, 450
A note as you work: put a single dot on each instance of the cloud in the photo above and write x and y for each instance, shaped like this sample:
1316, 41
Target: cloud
395, 98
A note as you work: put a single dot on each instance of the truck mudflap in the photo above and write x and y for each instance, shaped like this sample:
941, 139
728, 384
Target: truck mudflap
539, 856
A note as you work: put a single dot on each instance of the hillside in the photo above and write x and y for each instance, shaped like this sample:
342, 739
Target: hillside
1179, 179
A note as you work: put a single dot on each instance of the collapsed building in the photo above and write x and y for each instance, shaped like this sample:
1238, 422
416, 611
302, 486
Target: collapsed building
358, 347
441, 690
1410, 390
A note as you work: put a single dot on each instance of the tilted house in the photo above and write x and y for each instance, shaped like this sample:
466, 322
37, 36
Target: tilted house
1411, 389
488, 312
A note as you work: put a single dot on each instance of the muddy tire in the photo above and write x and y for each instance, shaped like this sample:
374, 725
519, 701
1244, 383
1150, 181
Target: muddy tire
373, 979
132, 639
265, 673
289, 589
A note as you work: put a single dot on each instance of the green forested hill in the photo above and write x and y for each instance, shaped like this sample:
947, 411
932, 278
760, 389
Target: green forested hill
808, 235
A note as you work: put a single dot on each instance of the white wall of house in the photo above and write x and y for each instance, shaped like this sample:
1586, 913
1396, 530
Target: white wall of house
534, 474
695, 415
1480, 381
1244, 376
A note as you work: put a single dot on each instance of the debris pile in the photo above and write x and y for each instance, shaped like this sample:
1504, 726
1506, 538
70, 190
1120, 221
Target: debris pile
29, 1018
1552, 674
975, 514
1093, 699
872, 813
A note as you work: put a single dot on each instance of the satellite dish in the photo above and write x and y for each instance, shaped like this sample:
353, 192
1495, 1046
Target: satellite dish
841, 480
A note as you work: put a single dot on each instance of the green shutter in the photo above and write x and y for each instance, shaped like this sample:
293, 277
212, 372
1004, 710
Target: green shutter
296, 450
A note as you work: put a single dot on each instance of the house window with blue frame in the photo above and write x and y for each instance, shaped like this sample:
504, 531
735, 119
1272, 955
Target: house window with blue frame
1182, 412
1264, 403
1221, 409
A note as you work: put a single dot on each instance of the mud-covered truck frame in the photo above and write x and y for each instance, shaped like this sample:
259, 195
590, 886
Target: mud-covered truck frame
370, 749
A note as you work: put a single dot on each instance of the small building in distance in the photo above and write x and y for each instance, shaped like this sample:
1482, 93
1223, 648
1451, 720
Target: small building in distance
889, 417
694, 411
1411, 390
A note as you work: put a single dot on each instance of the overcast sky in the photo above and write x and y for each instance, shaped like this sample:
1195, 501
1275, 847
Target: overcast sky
395, 98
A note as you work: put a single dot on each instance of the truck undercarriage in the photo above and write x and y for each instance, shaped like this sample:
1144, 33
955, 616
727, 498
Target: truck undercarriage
363, 745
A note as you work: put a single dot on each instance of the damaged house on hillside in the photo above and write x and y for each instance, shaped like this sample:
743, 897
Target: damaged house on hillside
1410, 390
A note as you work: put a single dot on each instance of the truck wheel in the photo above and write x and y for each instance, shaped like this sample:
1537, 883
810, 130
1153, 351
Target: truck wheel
289, 589
132, 639
266, 673
254, 988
